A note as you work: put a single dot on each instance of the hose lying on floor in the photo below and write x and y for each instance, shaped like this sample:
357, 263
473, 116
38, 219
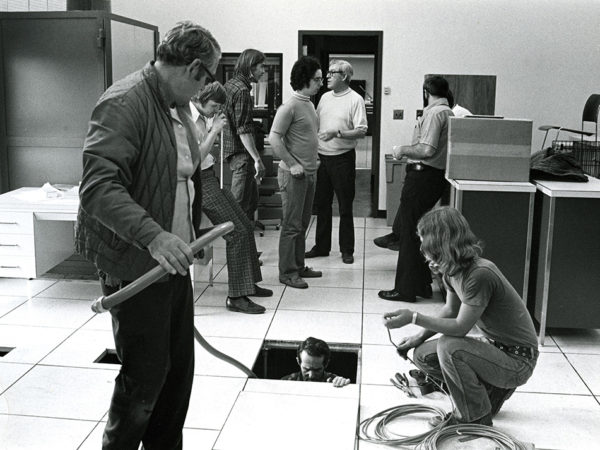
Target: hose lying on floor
103, 304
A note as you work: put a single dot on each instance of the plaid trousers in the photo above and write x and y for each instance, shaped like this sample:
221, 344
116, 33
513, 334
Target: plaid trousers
242, 258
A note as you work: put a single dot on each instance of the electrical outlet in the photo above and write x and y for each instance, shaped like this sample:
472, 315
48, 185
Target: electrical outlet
398, 114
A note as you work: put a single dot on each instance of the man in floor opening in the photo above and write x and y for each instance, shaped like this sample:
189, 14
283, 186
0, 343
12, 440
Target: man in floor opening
220, 206
140, 207
312, 357
480, 372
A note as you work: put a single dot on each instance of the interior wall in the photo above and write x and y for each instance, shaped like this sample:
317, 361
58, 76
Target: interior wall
545, 54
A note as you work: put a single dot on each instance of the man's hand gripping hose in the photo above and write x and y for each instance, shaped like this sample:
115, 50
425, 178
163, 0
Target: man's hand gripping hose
103, 304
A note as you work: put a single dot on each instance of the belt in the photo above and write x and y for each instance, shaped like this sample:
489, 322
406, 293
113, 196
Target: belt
419, 167
519, 350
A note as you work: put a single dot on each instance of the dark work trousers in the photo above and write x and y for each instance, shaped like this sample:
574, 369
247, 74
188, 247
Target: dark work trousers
421, 191
335, 174
154, 339
243, 183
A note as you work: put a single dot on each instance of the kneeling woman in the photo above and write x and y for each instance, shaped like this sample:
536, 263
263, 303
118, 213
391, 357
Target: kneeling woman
480, 373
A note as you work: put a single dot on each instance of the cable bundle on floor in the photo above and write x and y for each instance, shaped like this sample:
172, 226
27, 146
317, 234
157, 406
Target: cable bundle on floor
470, 431
375, 429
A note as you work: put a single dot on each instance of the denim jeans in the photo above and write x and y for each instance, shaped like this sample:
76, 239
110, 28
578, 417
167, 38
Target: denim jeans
296, 200
464, 363
243, 183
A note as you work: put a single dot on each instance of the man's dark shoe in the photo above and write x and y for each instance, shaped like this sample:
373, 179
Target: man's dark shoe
314, 253
243, 305
427, 292
395, 296
347, 258
294, 281
394, 246
261, 292
385, 241
308, 272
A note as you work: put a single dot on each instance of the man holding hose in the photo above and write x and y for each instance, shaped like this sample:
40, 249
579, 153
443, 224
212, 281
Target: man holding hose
140, 205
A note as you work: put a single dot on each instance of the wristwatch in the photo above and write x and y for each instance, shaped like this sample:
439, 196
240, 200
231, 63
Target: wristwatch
339, 134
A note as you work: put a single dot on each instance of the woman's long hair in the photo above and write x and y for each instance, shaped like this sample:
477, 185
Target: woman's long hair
447, 240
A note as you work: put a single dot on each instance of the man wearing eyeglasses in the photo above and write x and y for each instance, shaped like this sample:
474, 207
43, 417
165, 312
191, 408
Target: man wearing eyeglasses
141, 206
342, 121
294, 140
239, 146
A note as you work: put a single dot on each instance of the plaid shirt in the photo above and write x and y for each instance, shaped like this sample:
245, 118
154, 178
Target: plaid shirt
238, 109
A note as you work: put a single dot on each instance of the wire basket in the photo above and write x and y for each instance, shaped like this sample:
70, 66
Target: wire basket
587, 153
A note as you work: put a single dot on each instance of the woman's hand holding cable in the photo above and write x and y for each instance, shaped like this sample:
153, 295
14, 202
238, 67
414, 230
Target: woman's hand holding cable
174, 255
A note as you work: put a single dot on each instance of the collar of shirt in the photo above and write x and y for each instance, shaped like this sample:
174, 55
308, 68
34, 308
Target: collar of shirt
304, 98
438, 102
195, 113
160, 87
339, 94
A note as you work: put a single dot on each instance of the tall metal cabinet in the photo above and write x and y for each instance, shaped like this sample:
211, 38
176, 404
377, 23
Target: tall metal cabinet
53, 68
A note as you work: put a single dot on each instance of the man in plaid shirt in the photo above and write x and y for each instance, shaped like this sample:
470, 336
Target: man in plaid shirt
239, 146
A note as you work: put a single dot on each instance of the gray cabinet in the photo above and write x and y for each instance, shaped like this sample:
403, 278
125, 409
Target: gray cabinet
53, 68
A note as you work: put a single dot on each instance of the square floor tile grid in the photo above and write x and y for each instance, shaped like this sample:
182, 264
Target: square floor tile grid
48, 352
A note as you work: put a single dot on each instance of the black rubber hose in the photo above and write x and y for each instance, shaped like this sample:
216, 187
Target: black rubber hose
103, 304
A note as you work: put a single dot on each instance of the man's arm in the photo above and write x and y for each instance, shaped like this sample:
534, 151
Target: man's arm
359, 119
244, 127
417, 151
280, 150
250, 146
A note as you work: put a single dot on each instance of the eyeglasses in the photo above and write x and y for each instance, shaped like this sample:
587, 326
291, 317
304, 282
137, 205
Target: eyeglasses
211, 77
331, 72
318, 79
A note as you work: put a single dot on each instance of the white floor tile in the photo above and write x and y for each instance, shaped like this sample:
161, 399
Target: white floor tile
588, 367
50, 312
8, 303
94, 440
380, 279
350, 278
553, 374
217, 321
11, 372
61, 392
280, 415
243, 350
81, 349
211, 401
577, 341
322, 299
73, 289
30, 344
380, 363
199, 439
301, 388
380, 261
216, 295
329, 326
35, 433
102, 321
551, 421
375, 222
22, 287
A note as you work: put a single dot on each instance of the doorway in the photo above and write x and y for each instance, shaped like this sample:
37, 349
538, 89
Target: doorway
362, 49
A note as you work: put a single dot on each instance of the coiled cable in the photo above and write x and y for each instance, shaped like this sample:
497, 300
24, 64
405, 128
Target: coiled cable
470, 431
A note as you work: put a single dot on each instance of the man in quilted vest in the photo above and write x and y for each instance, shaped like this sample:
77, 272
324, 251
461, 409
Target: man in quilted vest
140, 206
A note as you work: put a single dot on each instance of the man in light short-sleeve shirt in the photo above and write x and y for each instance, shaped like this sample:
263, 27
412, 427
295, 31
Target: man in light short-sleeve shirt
294, 140
423, 187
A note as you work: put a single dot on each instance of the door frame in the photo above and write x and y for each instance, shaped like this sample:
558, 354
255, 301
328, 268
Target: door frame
376, 132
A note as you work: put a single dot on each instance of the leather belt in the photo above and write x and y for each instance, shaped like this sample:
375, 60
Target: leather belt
519, 350
419, 167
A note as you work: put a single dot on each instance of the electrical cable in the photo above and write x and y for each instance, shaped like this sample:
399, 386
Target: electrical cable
375, 429
103, 304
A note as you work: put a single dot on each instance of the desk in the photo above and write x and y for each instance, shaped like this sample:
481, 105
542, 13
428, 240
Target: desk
501, 215
36, 233
566, 255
